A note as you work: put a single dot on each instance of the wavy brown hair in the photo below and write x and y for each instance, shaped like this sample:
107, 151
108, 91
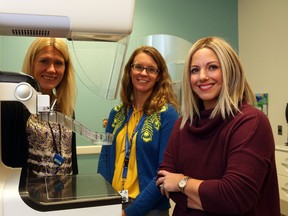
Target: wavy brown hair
162, 91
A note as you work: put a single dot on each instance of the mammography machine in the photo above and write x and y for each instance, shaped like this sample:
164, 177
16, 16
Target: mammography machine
85, 20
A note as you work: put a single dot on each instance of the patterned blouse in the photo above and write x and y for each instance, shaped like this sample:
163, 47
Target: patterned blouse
50, 148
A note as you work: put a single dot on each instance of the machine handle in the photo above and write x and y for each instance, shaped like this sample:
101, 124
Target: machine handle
286, 113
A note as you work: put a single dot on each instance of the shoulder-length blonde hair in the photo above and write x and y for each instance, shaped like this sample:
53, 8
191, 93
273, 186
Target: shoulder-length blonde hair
235, 87
66, 90
162, 91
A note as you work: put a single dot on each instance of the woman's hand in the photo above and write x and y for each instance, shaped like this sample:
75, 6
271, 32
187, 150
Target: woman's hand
168, 182
123, 213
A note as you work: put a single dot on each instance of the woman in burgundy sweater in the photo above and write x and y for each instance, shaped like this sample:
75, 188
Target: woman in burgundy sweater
220, 156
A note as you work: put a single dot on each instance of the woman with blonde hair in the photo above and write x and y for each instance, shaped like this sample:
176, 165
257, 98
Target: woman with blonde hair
220, 157
65, 90
45, 148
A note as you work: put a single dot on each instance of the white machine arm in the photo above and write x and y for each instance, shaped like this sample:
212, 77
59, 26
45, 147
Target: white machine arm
23, 88
18, 87
85, 20
94, 137
104, 20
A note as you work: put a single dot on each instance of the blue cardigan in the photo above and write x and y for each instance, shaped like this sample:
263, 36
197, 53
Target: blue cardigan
151, 142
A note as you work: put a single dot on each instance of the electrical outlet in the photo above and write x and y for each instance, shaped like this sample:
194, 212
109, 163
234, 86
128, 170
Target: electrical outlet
279, 129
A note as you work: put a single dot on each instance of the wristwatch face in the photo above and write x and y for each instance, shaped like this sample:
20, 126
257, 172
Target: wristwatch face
182, 184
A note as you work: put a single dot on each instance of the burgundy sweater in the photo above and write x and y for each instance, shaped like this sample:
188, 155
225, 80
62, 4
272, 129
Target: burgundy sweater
235, 158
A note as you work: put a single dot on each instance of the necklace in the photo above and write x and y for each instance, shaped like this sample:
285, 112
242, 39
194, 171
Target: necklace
58, 159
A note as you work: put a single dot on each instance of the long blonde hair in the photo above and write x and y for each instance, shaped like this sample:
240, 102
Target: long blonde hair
162, 91
66, 90
235, 87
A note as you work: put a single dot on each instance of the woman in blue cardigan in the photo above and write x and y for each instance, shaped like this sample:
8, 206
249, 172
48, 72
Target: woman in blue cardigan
141, 126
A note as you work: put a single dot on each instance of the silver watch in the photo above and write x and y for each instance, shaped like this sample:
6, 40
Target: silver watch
182, 183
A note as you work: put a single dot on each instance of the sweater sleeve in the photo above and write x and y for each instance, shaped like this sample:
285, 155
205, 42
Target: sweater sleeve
74, 155
104, 166
74, 151
170, 159
250, 164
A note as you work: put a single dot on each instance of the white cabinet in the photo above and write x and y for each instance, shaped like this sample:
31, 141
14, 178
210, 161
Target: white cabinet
282, 171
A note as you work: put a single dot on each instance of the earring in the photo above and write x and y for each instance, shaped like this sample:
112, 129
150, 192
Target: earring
54, 92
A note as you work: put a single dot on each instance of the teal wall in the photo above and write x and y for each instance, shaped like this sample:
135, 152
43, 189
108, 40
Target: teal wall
187, 19
88, 164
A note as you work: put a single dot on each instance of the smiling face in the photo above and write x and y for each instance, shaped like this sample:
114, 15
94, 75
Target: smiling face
143, 82
206, 76
49, 68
